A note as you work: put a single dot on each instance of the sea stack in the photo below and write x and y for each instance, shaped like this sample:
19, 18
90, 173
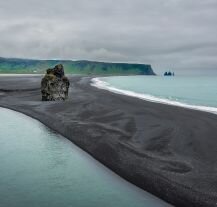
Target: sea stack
54, 85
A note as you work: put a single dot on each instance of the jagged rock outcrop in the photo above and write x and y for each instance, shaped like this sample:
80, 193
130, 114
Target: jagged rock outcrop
55, 85
169, 74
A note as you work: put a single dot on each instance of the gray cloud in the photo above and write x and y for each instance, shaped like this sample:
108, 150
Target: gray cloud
177, 34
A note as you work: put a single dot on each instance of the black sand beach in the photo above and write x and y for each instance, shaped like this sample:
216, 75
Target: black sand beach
166, 150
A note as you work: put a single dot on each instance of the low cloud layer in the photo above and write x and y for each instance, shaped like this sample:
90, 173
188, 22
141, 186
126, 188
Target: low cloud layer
169, 34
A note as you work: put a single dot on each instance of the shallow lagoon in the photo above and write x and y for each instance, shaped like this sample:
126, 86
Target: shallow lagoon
42, 168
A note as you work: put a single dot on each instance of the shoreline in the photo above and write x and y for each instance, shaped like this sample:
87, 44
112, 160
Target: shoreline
164, 145
96, 82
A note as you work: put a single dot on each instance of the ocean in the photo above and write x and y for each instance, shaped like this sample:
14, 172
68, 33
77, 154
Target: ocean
194, 92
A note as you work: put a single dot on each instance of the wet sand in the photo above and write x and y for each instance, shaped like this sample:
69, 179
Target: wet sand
166, 150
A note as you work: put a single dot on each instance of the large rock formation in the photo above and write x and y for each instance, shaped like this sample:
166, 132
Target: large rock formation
55, 85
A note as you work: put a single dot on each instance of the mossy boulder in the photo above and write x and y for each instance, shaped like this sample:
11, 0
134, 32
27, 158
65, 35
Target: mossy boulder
55, 85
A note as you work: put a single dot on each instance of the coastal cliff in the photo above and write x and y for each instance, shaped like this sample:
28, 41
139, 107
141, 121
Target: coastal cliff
14, 65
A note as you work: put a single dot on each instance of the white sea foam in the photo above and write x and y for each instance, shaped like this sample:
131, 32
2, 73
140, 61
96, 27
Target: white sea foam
97, 82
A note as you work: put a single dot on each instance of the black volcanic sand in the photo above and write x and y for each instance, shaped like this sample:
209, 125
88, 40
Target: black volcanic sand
166, 150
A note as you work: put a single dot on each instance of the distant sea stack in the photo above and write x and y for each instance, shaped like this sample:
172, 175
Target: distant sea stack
14, 65
55, 85
169, 74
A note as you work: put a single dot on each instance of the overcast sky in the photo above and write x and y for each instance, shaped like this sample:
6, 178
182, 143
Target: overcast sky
180, 35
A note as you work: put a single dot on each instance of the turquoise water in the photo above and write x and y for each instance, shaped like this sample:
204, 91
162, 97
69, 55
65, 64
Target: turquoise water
199, 92
42, 169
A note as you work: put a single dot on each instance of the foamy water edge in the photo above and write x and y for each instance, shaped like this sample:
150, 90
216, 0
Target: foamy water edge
96, 82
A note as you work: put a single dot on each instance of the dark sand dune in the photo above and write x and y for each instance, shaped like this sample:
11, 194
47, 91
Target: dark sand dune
166, 150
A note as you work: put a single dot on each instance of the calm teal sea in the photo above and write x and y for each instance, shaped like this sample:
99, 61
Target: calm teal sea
199, 92
42, 169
